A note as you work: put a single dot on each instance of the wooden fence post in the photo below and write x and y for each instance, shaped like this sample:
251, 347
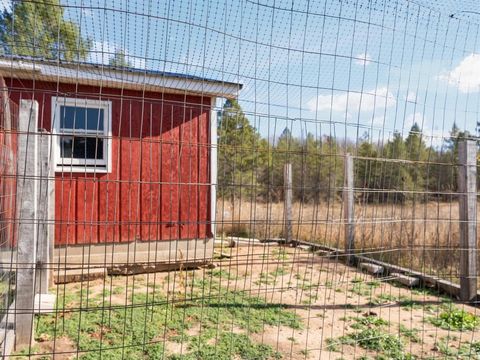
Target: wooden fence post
27, 227
348, 209
467, 188
287, 183
46, 213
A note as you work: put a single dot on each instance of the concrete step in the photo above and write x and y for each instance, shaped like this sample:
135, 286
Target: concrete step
409, 281
371, 268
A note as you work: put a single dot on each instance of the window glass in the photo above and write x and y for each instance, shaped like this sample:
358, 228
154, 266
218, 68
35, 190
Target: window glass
81, 125
77, 147
72, 117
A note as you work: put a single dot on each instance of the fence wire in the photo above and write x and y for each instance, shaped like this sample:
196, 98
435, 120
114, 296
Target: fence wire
176, 183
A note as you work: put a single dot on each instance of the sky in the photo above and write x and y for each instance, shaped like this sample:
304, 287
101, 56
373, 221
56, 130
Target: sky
350, 68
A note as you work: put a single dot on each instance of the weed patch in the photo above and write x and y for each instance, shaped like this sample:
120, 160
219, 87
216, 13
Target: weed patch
364, 289
228, 346
367, 321
370, 334
470, 350
410, 304
222, 274
411, 334
372, 339
456, 319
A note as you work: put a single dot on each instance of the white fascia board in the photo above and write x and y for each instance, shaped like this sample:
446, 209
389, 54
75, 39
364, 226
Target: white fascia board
213, 165
13, 65
98, 76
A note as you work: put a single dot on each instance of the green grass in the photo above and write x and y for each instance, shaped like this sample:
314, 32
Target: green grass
272, 277
222, 274
138, 331
363, 288
228, 346
371, 334
409, 333
362, 322
279, 254
279, 271
385, 298
378, 340
118, 290
304, 352
375, 339
266, 279
455, 319
410, 304
443, 347
470, 350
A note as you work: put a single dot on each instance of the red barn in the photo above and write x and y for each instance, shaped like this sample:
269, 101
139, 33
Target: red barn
134, 155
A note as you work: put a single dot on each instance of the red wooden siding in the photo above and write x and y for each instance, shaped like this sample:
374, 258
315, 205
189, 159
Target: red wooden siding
159, 185
8, 169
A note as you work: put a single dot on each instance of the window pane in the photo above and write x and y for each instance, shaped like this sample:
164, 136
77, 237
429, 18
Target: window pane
81, 118
81, 147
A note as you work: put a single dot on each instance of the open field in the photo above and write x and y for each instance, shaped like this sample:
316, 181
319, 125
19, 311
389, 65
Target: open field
258, 302
421, 236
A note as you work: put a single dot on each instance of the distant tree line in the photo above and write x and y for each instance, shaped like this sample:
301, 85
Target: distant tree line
404, 168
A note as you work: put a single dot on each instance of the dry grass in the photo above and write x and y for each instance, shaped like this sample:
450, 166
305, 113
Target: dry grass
422, 236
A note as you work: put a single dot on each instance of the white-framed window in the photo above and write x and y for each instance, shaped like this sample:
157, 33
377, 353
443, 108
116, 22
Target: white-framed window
82, 129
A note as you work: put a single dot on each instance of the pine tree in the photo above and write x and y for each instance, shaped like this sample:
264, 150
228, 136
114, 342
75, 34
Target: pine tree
242, 153
40, 30
416, 152
119, 60
368, 171
395, 175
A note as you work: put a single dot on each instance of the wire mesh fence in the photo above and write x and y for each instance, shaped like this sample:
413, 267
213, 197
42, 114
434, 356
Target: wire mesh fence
239, 179
8, 145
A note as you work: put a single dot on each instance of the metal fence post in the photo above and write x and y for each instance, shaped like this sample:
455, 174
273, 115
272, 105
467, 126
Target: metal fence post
27, 227
287, 182
467, 188
348, 209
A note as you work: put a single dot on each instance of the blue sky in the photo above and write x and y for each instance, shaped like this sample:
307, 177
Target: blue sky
328, 67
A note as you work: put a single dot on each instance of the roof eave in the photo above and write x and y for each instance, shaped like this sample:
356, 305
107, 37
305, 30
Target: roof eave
107, 77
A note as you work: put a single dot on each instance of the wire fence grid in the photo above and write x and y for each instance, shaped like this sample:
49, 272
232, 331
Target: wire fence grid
253, 179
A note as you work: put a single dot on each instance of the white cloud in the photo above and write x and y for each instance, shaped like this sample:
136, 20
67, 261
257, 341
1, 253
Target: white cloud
102, 52
431, 136
374, 99
379, 121
411, 96
411, 119
466, 76
137, 62
363, 59
5, 5
434, 138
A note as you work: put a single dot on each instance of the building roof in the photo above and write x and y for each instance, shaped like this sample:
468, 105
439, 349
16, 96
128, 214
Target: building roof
110, 76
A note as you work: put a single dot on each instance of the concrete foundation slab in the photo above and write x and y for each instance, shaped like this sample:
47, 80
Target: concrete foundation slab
44, 303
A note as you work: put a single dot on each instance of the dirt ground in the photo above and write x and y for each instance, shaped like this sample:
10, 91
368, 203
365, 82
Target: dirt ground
334, 305
326, 294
